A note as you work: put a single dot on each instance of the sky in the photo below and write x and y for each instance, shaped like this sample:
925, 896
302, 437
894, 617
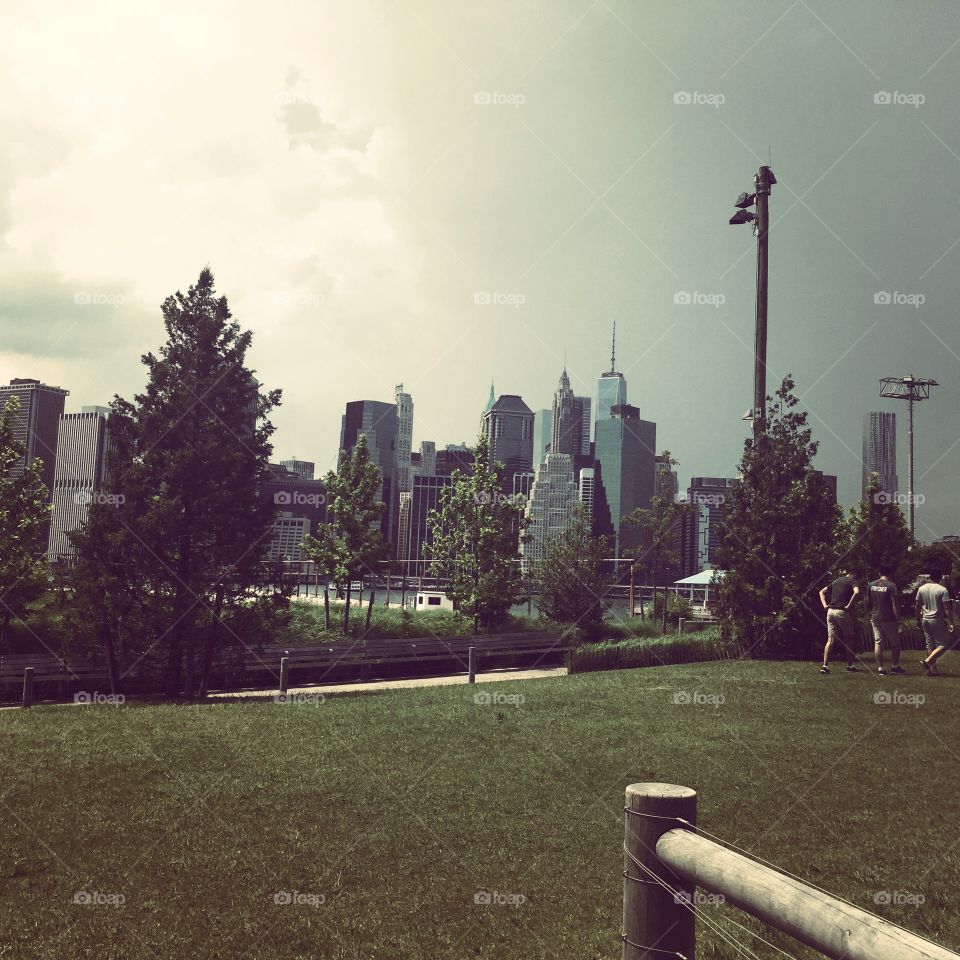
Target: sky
445, 194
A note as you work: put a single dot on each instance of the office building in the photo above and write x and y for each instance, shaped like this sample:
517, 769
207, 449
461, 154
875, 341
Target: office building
424, 498
508, 426
552, 504
625, 475
300, 505
302, 468
404, 444
377, 421
880, 451
569, 421
611, 387
36, 424
667, 483
585, 482
700, 530
542, 432
79, 475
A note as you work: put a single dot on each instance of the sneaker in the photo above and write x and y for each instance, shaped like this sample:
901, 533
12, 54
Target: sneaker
927, 669
882, 672
897, 669
852, 669
824, 669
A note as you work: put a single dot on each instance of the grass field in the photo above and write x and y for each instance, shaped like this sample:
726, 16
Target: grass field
387, 814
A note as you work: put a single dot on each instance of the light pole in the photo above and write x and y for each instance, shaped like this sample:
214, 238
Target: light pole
763, 181
913, 390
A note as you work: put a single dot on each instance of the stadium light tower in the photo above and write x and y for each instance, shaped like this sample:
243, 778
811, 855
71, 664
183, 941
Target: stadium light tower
913, 390
763, 181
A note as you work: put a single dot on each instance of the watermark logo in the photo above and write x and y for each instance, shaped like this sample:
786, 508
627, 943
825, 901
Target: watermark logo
493, 898
93, 898
497, 98
699, 898
297, 498
293, 98
900, 499
97, 298
300, 699
695, 298
898, 698
95, 698
289, 298
896, 298
87, 498
516, 500
294, 898
697, 98
884, 98
708, 499
497, 298
696, 698
898, 898
499, 699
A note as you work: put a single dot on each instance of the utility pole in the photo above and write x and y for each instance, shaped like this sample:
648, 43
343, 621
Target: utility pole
763, 181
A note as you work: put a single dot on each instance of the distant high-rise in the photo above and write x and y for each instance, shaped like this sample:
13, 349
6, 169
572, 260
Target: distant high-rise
709, 498
508, 425
553, 500
425, 462
36, 423
625, 479
611, 387
569, 421
404, 403
81, 466
542, 432
302, 468
300, 506
418, 504
585, 491
377, 421
880, 451
667, 484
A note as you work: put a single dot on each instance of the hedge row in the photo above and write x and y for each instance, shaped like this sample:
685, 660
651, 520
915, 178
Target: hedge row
659, 652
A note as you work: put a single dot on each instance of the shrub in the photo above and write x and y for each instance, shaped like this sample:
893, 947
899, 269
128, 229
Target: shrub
657, 652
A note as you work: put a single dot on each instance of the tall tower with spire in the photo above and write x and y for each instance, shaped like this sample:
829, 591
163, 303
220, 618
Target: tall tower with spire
612, 386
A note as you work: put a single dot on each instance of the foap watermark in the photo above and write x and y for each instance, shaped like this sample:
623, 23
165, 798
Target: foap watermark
884, 698
300, 699
497, 298
896, 298
695, 298
696, 698
494, 898
898, 898
93, 898
98, 298
96, 698
886, 98
87, 498
516, 500
294, 898
708, 499
290, 298
499, 699
293, 98
900, 499
297, 498
699, 898
697, 98
498, 98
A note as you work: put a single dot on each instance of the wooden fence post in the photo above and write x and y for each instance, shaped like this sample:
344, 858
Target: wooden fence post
472, 664
27, 687
656, 923
569, 660
284, 673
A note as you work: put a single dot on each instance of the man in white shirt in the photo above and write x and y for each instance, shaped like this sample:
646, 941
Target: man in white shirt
935, 616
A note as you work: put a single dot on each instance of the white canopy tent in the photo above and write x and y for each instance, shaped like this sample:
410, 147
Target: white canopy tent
703, 580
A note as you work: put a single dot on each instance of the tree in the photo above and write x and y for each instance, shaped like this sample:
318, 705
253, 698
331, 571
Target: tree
570, 580
350, 544
24, 512
661, 528
475, 540
877, 536
779, 539
179, 538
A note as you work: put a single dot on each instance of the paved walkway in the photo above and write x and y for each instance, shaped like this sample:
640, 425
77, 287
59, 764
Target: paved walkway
373, 686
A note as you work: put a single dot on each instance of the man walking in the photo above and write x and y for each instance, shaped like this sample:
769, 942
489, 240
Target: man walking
933, 604
884, 618
842, 595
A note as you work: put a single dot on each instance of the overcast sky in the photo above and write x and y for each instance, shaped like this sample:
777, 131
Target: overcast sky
362, 176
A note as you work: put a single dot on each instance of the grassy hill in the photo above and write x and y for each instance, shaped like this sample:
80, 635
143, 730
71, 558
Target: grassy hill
382, 817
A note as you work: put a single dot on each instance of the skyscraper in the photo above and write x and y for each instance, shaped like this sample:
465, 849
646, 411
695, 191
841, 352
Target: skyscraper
404, 403
611, 387
553, 500
508, 425
625, 478
300, 505
36, 423
569, 421
377, 421
880, 451
542, 432
302, 468
700, 529
81, 466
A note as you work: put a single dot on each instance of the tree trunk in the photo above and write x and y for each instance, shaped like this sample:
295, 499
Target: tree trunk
211, 641
346, 610
326, 605
373, 593
105, 635
4, 625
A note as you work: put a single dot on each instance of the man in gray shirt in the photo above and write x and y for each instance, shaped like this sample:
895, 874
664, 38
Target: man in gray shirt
935, 615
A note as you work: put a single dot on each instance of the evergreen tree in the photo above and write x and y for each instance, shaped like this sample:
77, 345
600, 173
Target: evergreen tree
877, 536
780, 539
570, 580
24, 513
475, 542
181, 536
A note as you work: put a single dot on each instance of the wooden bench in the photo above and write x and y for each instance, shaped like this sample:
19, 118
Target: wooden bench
46, 669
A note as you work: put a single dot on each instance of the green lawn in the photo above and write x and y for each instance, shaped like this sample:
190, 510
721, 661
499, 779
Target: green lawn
396, 809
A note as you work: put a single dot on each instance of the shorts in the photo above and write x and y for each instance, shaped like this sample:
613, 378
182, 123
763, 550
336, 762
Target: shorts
839, 625
936, 634
886, 633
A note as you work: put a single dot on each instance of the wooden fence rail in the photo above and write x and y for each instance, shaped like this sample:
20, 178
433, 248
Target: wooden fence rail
664, 864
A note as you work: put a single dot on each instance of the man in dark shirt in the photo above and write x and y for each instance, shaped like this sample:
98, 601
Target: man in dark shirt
884, 618
842, 595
